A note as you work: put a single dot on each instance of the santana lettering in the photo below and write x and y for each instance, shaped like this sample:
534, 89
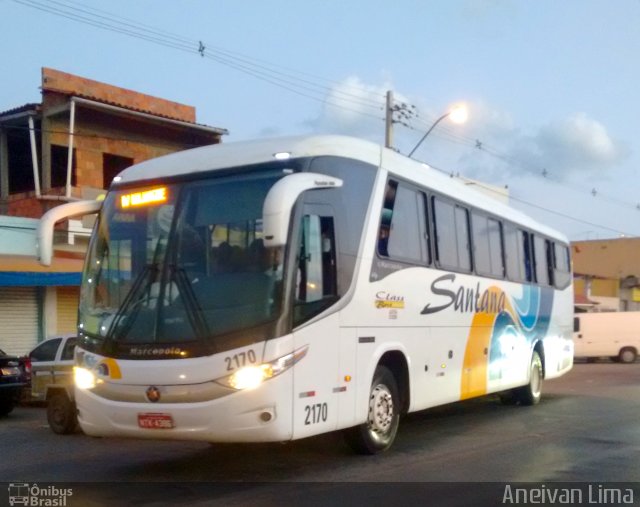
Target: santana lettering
464, 299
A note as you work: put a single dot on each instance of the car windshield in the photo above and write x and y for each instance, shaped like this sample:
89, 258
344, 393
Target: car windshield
181, 263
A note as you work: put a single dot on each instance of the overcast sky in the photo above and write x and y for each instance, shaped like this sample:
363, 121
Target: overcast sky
551, 86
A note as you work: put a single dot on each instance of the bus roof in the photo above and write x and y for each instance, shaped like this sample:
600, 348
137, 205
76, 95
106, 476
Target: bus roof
236, 154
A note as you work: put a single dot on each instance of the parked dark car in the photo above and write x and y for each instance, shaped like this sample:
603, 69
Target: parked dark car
13, 378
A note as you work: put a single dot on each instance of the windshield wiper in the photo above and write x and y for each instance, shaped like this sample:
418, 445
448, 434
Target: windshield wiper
190, 301
133, 301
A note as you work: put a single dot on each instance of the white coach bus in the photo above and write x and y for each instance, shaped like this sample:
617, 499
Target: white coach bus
278, 289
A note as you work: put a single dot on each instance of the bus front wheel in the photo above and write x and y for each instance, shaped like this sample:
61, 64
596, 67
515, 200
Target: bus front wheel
383, 417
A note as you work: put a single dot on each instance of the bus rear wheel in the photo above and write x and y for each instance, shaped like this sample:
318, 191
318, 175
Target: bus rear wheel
379, 431
530, 394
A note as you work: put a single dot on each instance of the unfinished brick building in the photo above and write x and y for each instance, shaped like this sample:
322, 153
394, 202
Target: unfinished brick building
68, 147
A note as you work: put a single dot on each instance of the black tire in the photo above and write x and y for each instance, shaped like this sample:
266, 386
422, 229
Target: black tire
627, 355
6, 406
61, 414
508, 398
379, 431
530, 394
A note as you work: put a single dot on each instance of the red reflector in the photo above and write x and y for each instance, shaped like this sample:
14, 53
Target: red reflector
308, 394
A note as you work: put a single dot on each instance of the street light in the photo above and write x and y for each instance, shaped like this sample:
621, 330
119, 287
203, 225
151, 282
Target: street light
458, 114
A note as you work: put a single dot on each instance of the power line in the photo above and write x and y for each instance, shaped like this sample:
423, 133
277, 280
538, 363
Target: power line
537, 206
265, 72
276, 75
446, 133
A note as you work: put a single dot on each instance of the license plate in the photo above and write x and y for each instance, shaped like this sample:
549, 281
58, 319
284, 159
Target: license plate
155, 421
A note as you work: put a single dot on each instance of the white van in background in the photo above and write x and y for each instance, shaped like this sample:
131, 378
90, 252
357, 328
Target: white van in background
608, 334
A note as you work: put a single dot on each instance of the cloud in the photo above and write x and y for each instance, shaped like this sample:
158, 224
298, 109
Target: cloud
353, 107
575, 145
578, 144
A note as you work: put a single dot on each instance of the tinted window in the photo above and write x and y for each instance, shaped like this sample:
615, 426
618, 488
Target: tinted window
541, 248
402, 225
513, 254
562, 265
526, 252
46, 351
316, 286
67, 352
452, 235
487, 245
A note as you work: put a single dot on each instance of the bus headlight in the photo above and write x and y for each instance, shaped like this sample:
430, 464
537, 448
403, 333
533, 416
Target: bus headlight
250, 377
83, 378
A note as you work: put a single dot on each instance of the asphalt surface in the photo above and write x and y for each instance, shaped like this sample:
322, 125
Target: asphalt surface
586, 429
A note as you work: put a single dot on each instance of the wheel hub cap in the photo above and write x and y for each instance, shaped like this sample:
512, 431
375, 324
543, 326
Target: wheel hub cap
380, 409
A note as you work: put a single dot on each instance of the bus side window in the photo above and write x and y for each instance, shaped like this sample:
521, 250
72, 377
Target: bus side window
316, 281
403, 227
541, 252
527, 256
561, 265
386, 216
487, 245
513, 253
548, 248
453, 246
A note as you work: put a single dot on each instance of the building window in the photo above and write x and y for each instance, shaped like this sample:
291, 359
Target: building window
19, 162
112, 165
59, 163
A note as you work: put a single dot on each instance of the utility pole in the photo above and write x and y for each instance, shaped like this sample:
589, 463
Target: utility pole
388, 121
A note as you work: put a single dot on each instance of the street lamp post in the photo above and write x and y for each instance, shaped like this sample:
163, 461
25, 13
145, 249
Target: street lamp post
457, 115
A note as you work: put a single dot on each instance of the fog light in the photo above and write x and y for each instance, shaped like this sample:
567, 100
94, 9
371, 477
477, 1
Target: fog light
266, 416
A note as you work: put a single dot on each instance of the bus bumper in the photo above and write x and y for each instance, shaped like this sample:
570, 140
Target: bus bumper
263, 414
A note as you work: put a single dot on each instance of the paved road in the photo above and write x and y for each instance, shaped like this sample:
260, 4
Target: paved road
587, 428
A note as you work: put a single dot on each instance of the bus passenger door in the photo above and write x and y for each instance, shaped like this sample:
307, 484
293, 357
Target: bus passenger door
315, 375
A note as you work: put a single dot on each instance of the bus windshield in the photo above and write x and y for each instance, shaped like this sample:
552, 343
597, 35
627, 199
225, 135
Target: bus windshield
182, 263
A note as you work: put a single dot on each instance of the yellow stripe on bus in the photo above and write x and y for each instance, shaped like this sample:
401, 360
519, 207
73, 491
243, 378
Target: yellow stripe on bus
476, 357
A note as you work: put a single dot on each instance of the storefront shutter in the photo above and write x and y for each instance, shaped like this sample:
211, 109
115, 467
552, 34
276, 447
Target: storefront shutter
18, 319
67, 309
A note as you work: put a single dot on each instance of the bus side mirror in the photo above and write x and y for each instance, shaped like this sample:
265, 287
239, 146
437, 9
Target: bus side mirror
54, 215
276, 211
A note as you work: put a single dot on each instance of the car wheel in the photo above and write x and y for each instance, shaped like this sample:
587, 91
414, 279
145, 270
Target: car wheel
627, 355
61, 414
6, 407
379, 431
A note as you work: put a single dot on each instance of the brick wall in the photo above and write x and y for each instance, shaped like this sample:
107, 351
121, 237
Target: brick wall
57, 81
